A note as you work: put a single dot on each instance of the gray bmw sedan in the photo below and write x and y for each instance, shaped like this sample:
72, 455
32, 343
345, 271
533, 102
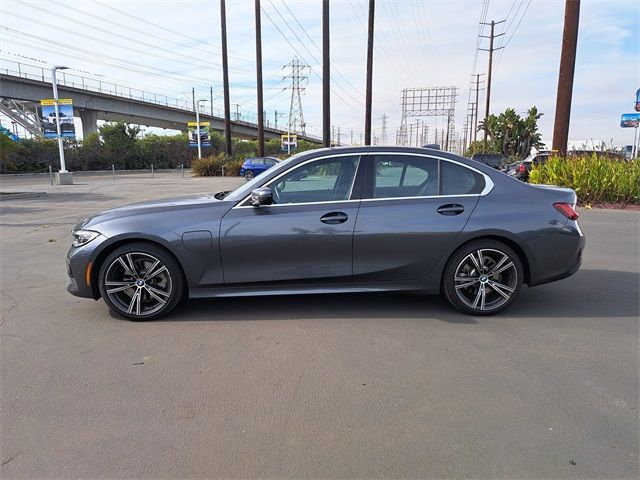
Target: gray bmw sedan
366, 219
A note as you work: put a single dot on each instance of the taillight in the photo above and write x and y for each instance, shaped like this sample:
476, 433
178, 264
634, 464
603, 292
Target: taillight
566, 209
522, 168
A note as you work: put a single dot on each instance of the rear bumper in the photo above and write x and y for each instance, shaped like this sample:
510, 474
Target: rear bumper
567, 257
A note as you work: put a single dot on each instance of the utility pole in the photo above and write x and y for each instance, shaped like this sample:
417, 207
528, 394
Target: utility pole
211, 96
474, 120
491, 49
225, 79
193, 98
369, 93
259, 80
237, 111
326, 102
446, 142
351, 138
338, 136
565, 78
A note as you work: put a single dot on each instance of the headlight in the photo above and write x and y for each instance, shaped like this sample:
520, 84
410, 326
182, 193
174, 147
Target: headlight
82, 237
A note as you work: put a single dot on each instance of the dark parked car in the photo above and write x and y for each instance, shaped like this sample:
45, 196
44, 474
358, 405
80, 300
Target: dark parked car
252, 167
524, 167
494, 160
361, 219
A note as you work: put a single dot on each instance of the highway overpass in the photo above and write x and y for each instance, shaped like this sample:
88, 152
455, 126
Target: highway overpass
112, 102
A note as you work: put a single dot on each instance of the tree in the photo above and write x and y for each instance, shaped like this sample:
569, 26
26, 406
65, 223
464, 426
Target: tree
509, 134
120, 144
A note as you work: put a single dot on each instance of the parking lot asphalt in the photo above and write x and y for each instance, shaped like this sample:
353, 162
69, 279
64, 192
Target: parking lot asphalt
338, 386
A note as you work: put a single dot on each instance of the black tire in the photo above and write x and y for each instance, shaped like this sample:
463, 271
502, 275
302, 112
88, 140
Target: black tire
153, 290
249, 174
478, 291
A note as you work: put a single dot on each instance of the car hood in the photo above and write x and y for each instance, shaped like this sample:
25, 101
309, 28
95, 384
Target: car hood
151, 206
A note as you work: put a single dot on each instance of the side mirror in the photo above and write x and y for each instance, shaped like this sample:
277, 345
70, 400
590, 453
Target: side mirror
261, 196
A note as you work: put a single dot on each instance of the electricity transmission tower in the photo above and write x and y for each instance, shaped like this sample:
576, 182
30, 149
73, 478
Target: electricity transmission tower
297, 75
383, 136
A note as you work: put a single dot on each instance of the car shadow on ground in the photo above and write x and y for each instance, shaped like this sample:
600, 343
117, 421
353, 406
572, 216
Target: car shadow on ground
589, 293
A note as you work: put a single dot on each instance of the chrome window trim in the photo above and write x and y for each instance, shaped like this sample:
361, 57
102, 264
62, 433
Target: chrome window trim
488, 183
239, 204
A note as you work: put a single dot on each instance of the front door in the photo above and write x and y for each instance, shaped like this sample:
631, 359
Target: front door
306, 235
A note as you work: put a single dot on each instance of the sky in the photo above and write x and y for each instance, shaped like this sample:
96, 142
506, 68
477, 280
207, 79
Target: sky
171, 46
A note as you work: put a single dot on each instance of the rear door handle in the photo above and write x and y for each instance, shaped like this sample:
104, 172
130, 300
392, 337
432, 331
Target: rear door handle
334, 218
451, 209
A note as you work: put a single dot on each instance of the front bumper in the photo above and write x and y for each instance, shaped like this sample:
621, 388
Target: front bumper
80, 261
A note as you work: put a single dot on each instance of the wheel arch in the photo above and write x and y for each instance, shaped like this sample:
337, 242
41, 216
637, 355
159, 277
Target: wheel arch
117, 243
511, 243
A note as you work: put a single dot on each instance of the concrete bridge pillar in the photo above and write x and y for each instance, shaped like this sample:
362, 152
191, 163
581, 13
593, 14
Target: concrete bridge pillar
89, 119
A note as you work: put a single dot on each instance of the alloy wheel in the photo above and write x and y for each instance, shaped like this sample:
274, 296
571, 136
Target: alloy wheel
486, 279
138, 283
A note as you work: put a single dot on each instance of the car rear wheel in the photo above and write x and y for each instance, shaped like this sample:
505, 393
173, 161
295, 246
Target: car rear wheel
140, 281
248, 174
483, 277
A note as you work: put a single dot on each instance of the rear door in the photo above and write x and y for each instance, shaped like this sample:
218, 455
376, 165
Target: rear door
413, 208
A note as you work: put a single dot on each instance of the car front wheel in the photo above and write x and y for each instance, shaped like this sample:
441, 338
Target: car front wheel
483, 277
248, 175
140, 281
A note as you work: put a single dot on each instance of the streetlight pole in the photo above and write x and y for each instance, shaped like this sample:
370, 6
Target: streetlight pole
198, 126
64, 178
63, 167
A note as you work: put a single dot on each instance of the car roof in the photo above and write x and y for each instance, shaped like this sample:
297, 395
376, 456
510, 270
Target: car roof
363, 149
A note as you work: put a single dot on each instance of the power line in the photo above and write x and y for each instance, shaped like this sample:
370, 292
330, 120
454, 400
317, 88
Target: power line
319, 50
302, 57
145, 20
511, 36
359, 100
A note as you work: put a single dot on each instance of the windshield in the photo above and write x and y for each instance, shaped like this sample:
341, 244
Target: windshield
244, 190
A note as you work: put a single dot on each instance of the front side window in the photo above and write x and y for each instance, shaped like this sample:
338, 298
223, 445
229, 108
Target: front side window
326, 180
404, 176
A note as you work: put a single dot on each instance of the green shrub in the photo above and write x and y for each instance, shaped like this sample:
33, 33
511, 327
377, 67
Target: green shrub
208, 166
596, 179
232, 167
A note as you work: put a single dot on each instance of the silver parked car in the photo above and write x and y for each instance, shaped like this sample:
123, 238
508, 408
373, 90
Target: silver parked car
360, 219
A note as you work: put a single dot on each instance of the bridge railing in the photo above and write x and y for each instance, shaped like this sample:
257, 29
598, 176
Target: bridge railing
74, 80
98, 85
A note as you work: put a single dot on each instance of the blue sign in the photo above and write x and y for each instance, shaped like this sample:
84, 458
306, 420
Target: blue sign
630, 120
638, 100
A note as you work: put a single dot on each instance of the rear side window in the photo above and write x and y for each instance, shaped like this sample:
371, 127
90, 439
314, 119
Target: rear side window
458, 180
404, 176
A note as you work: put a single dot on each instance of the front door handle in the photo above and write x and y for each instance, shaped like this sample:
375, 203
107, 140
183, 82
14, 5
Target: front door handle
334, 218
451, 209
